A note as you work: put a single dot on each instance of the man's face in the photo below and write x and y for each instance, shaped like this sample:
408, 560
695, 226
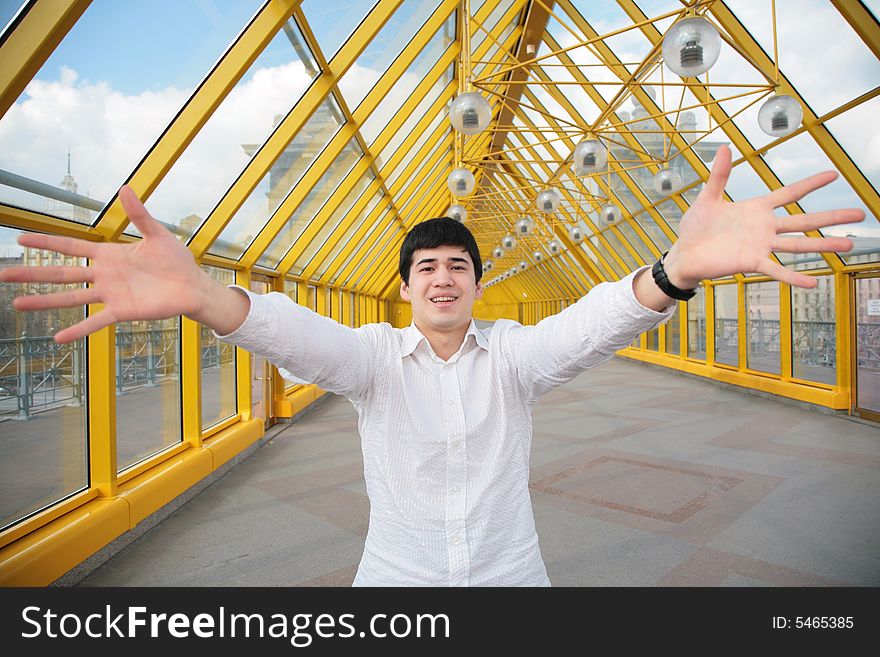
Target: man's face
441, 288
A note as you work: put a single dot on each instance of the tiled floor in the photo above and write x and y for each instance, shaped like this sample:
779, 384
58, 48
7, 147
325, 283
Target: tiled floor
640, 477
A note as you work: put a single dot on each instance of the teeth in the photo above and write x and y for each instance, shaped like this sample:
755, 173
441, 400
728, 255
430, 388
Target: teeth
443, 299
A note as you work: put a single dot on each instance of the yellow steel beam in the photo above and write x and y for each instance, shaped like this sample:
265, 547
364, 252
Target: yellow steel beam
24, 51
862, 21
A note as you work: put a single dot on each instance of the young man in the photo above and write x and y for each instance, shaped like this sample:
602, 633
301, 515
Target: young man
444, 408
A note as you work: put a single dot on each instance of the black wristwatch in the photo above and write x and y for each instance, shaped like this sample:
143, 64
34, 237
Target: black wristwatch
668, 288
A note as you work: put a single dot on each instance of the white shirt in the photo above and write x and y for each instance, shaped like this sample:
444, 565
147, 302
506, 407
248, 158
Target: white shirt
446, 443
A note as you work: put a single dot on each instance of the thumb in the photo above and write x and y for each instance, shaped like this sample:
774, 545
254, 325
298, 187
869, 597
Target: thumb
138, 214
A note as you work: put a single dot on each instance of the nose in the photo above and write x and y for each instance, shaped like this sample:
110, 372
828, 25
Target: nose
443, 277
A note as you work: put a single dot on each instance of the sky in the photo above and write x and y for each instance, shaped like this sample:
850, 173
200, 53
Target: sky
126, 68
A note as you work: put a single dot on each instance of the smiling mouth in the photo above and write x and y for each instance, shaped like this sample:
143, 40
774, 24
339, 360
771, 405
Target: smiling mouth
441, 300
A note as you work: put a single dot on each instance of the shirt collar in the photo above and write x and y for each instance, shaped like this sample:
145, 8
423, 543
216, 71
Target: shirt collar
412, 336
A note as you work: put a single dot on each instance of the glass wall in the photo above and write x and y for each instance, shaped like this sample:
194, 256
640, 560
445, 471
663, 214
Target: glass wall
813, 333
672, 333
726, 325
147, 389
696, 310
42, 393
762, 334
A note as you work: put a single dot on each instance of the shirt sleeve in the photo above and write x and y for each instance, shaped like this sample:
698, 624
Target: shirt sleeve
583, 335
311, 347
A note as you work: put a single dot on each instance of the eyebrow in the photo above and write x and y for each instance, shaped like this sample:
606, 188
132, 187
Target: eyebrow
451, 259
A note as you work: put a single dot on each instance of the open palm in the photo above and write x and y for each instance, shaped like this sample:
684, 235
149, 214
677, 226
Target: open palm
154, 278
719, 238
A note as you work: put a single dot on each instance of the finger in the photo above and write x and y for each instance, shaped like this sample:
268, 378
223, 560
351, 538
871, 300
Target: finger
66, 245
796, 191
66, 299
46, 274
784, 275
89, 325
797, 244
138, 213
802, 223
719, 174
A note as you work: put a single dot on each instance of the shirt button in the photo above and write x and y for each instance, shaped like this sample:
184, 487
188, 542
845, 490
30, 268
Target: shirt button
455, 443
456, 489
450, 402
456, 541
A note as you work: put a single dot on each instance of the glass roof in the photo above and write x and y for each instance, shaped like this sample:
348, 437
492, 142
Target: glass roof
254, 149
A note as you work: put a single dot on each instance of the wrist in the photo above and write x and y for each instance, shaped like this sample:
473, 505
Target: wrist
679, 278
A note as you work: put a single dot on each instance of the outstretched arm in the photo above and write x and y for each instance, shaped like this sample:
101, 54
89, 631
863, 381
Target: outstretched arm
718, 238
154, 278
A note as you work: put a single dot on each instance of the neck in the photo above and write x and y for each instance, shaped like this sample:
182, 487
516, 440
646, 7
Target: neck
444, 343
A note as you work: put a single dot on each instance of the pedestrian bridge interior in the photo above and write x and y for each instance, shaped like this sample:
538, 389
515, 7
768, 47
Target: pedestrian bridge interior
290, 144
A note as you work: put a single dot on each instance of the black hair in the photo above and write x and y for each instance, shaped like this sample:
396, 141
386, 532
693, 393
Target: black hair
441, 231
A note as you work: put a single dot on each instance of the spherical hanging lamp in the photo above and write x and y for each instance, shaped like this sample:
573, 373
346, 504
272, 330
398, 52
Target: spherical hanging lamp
508, 242
548, 201
691, 46
461, 182
457, 212
780, 115
553, 247
666, 181
487, 266
576, 234
537, 256
523, 265
498, 252
524, 227
589, 157
611, 213
470, 113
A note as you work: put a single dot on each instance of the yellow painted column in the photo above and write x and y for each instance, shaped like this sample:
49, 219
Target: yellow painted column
710, 325
243, 360
102, 407
845, 335
742, 326
191, 380
785, 332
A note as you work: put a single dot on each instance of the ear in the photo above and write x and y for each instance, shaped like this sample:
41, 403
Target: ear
478, 291
404, 291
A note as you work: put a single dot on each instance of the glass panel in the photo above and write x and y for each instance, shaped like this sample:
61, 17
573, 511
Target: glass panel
302, 216
726, 325
218, 366
443, 142
383, 49
45, 458
284, 173
86, 119
868, 344
333, 21
649, 225
651, 338
342, 240
479, 29
672, 333
405, 86
762, 334
636, 242
389, 237
331, 222
147, 389
696, 310
8, 11
813, 332
415, 150
826, 77
356, 252
616, 244
418, 112
235, 132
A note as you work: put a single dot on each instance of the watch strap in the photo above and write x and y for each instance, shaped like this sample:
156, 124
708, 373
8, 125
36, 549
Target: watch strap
664, 284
